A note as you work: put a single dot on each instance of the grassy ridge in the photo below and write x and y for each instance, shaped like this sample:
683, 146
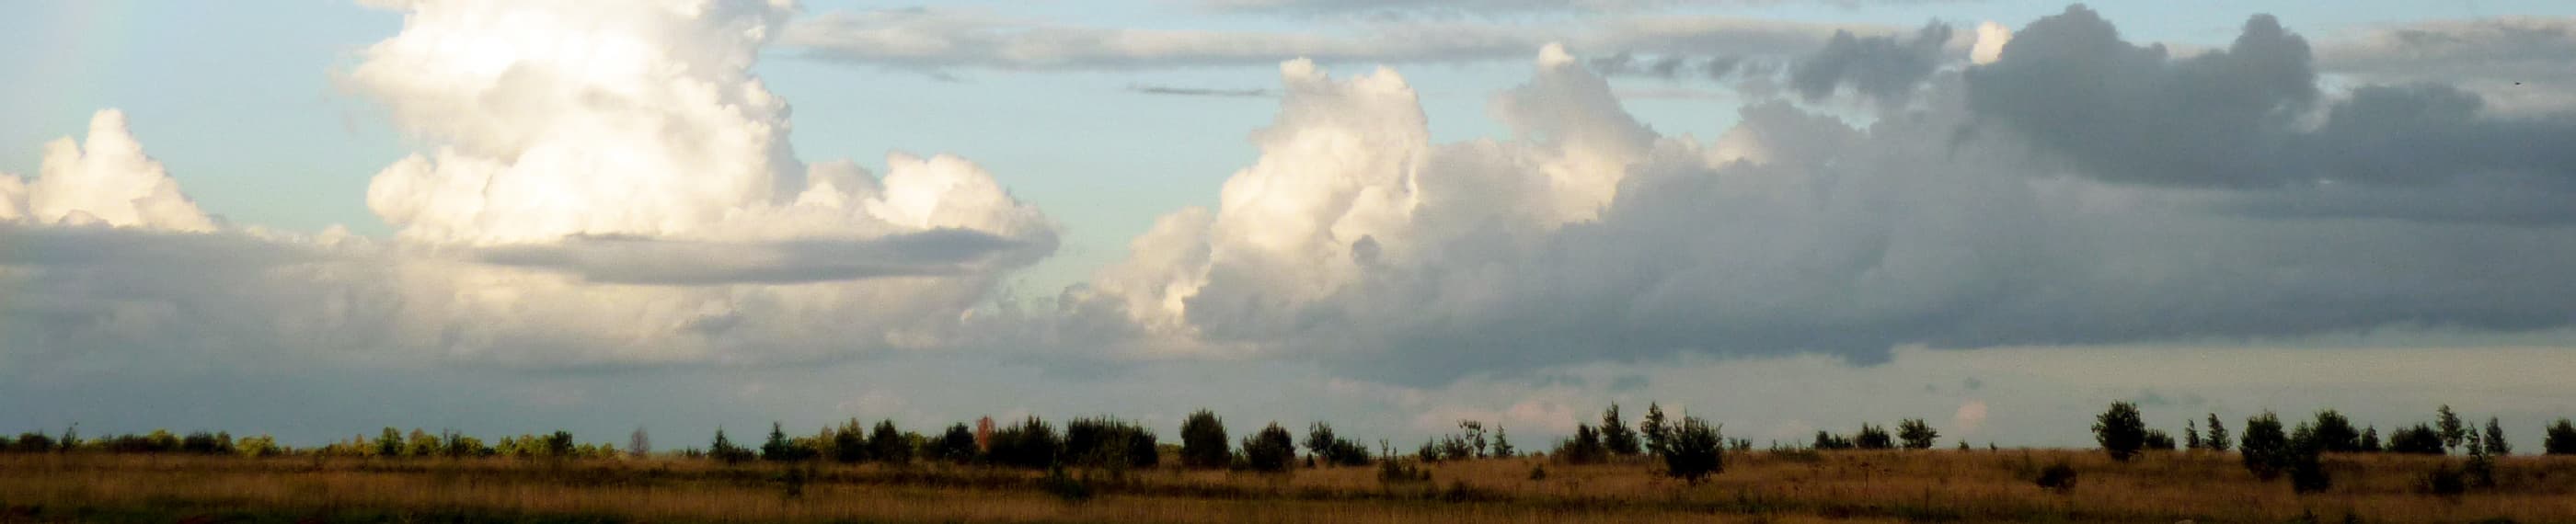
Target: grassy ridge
1956, 486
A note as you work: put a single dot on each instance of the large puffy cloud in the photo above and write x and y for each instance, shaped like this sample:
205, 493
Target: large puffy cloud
602, 184
1355, 241
105, 180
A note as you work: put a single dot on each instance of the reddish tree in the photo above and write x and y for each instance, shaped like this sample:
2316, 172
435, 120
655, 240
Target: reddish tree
984, 433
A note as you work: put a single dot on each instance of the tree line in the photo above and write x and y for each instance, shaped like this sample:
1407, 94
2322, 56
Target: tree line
1688, 448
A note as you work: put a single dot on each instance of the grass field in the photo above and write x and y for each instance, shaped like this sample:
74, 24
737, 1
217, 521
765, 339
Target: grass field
1863, 486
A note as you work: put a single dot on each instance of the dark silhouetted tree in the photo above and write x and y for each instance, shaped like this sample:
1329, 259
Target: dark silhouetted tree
1471, 439
849, 442
1654, 431
2334, 433
1873, 437
1916, 433
1582, 448
2266, 447
2419, 439
2495, 444
1503, 444
886, 444
957, 445
2191, 435
1826, 440
1030, 444
2218, 437
2453, 431
1203, 443
2560, 439
1269, 450
1695, 450
2120, 430
779, 449
2157, 440
2370, 440
1320, 440
639, 444
1616, 436
724, 450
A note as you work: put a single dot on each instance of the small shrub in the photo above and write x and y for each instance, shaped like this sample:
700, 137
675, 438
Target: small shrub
1065, 487
2444, 480
1918, 434
1538, 472
2058, 477
1393, 470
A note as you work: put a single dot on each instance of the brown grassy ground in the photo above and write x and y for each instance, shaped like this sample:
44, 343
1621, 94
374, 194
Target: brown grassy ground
1958, 486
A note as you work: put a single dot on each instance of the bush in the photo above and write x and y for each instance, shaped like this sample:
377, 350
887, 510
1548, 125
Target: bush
849, 443
1394, 470
1203, 442
1331, 449
1269, 450
2420, 439
1917, 434
2121, 431
1873, 437
2266, 448
2159, 441
1583, 448
2058, 477
1827, 441
2444, 480
32, 442
1030, 444
1109, 442
1694, 450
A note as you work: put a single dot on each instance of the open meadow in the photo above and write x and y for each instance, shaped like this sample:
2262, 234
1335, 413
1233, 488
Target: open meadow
1757, 486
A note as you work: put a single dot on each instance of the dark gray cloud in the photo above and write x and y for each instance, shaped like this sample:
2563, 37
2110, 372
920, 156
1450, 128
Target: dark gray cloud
1885, 68
938, 39
2234, 119
1251, 92
683, 262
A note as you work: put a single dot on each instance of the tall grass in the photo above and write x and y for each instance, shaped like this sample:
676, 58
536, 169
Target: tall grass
1965, 486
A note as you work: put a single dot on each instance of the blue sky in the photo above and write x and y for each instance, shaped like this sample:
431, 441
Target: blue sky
1736, 245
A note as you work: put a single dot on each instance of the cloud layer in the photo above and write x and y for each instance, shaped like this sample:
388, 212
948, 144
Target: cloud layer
2023, 201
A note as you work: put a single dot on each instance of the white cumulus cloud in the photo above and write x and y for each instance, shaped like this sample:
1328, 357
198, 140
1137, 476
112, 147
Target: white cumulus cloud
105, 180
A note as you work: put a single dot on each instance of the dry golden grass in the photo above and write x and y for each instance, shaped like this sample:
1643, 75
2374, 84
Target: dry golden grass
1963, 486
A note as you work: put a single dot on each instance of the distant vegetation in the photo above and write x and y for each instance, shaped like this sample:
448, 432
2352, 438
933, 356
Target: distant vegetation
2445, 457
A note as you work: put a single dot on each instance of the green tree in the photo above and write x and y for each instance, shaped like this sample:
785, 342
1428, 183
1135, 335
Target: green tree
1503, 444
957, 445
2495, 444
1203, 443
1320, 440
2218, 438
886, 444
724, 450
1916, 433
559, 444
389, 444
1269, 450
2452, 430
2334, 433
2191, 435
849, 442
1030, 444
2370, 440
257, 446
2560, 439
1696, 449
2120, 430
1872, 436
1656, 431
777, 448
2266, 447
1616, 436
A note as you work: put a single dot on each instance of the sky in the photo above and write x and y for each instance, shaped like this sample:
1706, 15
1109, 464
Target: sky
315, 218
